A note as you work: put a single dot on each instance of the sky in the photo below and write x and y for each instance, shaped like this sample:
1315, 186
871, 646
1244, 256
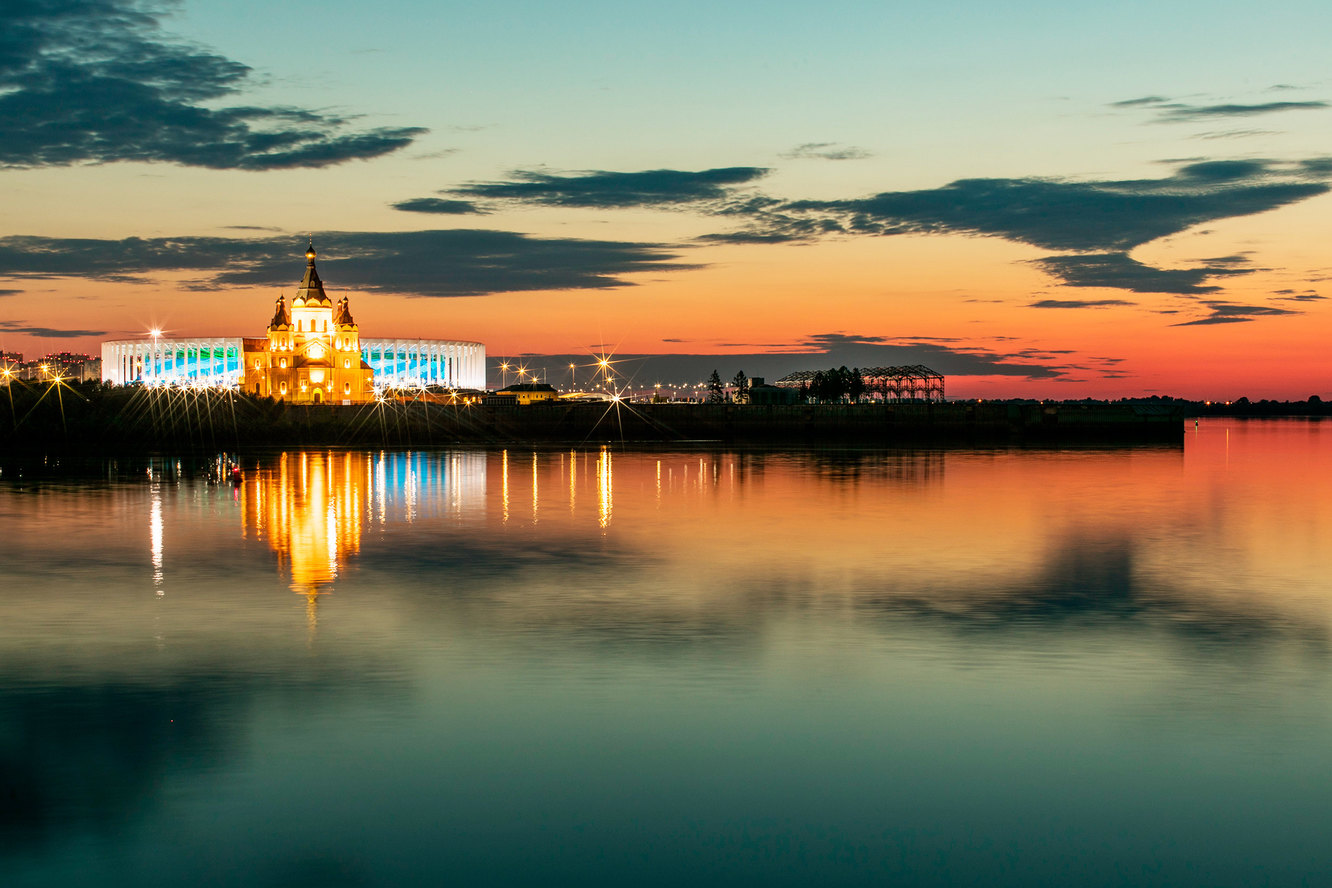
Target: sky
1036, 199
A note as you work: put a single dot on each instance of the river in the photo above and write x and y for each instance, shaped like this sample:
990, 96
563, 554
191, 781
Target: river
607, 667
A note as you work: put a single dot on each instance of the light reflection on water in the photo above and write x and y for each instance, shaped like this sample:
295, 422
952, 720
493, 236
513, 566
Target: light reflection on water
1094, 667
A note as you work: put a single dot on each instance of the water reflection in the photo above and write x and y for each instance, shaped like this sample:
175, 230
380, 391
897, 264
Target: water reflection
155, 537
963, 667
312, 508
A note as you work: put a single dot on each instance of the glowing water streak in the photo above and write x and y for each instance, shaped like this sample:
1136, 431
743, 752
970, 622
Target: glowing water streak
155, 538
605, 489
504, 486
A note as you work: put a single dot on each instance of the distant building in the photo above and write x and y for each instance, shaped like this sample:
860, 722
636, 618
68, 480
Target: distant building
69, 366
524, 393
759, 392
914, 382
312, 353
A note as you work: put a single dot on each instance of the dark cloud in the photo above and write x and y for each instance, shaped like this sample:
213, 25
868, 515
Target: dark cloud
462, 262
96, 81
1291, 296
46, 332
1120, 271
1078, 303
4, 293
1230, 313
438, 205
602, 189
826, 151
818, 352
1076, 216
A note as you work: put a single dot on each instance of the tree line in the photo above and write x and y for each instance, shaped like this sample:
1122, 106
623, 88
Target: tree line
832, 386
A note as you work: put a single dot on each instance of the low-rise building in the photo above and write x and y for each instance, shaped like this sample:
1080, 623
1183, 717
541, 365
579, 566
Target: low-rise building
524, 393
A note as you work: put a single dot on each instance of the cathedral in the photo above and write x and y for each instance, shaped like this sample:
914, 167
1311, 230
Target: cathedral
312, 354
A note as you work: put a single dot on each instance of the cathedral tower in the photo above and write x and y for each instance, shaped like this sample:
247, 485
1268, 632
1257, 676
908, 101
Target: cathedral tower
312, 354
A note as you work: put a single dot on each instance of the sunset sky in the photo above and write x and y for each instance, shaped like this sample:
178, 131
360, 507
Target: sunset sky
1037, 199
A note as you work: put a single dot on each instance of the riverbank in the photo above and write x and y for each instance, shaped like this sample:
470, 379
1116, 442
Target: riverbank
104, 419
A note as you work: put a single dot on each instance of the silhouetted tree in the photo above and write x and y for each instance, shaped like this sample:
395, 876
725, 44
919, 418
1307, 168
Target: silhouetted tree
818, 386
741, 384
855, 385
716, 394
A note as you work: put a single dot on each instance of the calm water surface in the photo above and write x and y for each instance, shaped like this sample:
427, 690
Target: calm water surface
1090, 667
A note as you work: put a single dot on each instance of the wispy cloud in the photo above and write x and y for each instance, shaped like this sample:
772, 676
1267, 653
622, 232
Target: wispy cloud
1172, 111
47, 332
826, 151
96, 81
1231, 313
606, 189
1078, 303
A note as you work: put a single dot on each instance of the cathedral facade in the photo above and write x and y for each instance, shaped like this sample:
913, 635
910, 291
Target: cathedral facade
312, 353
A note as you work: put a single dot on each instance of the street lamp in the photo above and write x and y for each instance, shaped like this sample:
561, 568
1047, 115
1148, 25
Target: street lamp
156, 333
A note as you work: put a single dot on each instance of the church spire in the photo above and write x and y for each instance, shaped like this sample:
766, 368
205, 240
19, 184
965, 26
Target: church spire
311, 290
343, 318
280, 316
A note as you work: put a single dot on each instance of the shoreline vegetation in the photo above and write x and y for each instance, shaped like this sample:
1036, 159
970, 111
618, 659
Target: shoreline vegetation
94, 418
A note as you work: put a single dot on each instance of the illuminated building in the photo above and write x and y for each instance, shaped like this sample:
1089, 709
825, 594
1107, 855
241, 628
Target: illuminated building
68, 366
524, 393
312, 353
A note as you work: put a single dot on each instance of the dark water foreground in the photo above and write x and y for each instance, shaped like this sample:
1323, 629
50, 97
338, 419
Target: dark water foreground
716, 667
157, 420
